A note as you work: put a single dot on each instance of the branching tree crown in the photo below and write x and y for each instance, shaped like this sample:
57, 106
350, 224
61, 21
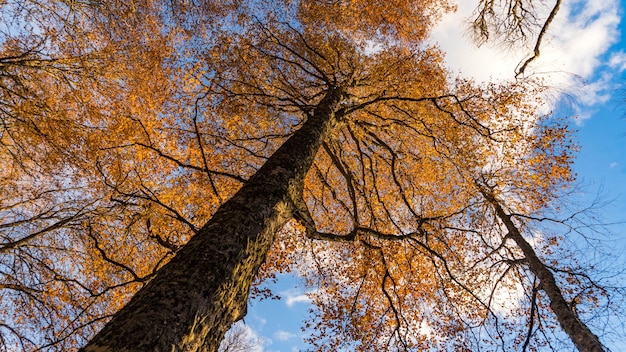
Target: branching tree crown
166, 150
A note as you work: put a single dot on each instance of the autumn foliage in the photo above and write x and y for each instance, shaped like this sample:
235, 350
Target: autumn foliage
125, 125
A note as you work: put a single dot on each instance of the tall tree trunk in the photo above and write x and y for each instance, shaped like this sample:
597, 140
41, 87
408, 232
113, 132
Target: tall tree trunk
200, 293
580, 334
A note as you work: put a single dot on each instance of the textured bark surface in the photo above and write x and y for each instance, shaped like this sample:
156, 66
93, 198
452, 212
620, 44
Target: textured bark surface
199, 294
582, 337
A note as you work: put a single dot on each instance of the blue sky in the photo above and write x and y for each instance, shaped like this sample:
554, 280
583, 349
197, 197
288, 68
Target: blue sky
584, 62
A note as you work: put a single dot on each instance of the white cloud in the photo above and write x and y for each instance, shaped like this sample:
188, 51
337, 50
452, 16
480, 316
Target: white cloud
571, 52
261, 321
613, 165
282, 335
462, 55
579, 37
297, 299
618, 61
294, 296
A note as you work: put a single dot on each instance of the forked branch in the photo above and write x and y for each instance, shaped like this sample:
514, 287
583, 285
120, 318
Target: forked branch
580, 334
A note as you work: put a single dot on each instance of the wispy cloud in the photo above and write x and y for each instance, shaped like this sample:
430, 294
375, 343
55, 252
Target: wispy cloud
572, 54
297, 299
618, 61
294, 296
282, 335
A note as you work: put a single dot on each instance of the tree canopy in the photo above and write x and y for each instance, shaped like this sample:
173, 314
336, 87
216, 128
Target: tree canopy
409, 198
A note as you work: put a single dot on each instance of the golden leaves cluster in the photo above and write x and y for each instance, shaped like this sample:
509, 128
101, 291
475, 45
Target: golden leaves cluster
126, 124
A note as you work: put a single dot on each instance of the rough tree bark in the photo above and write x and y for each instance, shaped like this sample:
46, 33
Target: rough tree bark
582, 337
200, 293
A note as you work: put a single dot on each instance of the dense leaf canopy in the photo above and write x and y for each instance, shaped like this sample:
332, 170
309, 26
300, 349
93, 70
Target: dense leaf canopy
126, 124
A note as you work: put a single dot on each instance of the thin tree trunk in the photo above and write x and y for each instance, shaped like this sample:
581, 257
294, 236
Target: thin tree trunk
582, 337
200, 293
